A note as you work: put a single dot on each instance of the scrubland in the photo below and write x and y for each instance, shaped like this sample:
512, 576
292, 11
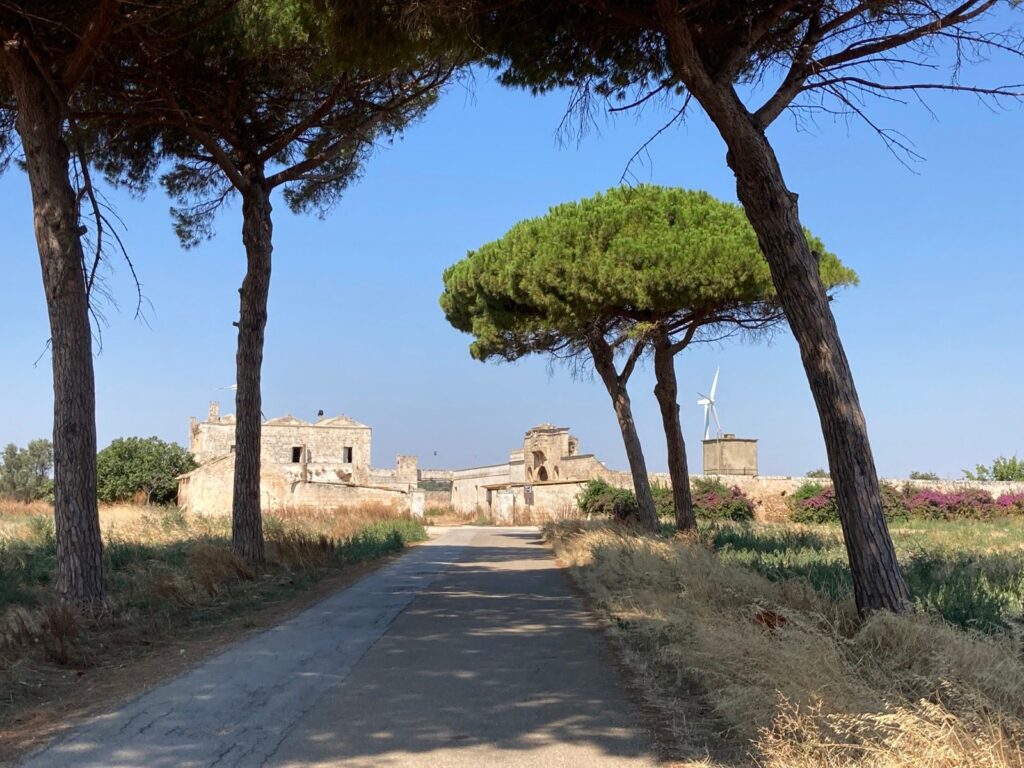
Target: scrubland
747, 648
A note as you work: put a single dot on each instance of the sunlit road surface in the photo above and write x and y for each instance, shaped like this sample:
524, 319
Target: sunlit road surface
469, 650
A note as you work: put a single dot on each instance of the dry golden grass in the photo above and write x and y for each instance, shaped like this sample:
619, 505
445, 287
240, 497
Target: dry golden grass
791, 678
166, 573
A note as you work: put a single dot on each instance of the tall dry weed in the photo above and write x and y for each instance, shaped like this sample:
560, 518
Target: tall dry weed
793, 675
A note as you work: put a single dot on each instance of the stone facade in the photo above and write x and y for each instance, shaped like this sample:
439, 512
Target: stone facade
540, 481
730, 455
303, 465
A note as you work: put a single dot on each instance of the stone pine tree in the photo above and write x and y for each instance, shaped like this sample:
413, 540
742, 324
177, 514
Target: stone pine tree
271, 95
744, 64
47, 54
631, 271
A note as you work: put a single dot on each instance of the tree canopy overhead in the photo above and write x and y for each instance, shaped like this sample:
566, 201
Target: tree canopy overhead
632, 255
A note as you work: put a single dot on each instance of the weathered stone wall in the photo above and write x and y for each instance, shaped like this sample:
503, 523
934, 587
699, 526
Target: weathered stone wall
469, 491
443, 475
730, 456
544, 447
208, 491
324, 444
556, 500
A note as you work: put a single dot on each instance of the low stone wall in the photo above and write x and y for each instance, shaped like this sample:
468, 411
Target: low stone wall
769, 494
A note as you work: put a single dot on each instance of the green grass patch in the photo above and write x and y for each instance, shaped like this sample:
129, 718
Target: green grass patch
971, 573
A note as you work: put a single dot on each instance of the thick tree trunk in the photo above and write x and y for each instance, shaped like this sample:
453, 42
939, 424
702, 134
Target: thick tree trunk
604, 364
667, 392
40, 120
772, 211
257, 228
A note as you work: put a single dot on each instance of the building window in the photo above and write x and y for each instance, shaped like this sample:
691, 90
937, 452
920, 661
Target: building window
296, 454
232, 450
346, 454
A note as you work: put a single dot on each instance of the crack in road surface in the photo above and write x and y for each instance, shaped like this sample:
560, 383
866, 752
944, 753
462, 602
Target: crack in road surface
468, 650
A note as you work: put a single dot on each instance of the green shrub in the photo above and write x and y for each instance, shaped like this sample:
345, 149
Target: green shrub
25, 472
819, 474
915, 475
380, 538
1002, 468
600, 499
714, 500
664, 504
813, 503
146, 467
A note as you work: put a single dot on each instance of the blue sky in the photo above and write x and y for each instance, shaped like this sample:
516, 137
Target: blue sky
933, 332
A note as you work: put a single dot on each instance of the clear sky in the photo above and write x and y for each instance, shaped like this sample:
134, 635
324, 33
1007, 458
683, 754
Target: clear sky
933, 332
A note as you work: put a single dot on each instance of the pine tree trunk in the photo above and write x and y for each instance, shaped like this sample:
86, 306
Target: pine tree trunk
666, 391
79, 574
257, 229
772, 210
604, 364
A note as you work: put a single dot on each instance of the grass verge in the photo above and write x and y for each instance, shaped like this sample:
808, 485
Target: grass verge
173, 585
787, 674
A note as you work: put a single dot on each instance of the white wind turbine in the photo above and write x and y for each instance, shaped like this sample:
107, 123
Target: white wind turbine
708, 401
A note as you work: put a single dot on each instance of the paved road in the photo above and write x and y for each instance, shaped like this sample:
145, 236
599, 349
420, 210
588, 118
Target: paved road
467, 651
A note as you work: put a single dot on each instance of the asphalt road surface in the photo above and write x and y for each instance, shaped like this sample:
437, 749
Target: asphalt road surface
469, 650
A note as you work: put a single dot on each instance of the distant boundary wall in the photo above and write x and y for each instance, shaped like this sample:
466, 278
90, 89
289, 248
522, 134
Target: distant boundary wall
520, 503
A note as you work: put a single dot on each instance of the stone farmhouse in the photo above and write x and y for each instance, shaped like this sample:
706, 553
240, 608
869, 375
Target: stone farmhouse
304, 465
540, 481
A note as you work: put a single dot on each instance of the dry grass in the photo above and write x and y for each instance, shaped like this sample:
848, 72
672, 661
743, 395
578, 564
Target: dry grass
790, 676
167, 573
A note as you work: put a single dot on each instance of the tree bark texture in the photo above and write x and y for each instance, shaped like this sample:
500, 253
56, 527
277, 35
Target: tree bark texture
666, 391
604, 364
257, 229
40, 123
772, 210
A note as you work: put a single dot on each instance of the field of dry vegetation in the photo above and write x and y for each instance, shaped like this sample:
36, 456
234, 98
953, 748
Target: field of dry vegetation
169, 576
747, 648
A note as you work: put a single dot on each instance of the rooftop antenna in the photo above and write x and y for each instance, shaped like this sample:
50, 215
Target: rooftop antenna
708, 401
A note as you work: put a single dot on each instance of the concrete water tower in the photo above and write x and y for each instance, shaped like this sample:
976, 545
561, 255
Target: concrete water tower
730, 455
724, 454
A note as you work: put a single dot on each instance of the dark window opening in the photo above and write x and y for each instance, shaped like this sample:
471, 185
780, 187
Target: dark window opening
346, 455
232, 448
542, 474
296, 454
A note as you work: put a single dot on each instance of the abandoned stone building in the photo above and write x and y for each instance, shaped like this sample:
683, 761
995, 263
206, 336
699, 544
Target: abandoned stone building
540, 481
327, 464
309, 465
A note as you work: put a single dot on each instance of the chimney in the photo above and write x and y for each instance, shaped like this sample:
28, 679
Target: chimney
214, 415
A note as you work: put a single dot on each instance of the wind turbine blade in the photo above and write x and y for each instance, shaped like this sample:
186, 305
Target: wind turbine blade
718, 424
714, 384
704, 401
